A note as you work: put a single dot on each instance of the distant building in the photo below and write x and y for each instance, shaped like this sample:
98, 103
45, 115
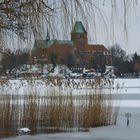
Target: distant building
74, 53
137, 67
136, 59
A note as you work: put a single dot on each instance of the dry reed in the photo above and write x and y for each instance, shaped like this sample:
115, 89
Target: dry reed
58, 110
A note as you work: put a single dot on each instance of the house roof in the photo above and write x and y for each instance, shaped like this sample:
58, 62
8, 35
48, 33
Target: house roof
78, 28
96, 47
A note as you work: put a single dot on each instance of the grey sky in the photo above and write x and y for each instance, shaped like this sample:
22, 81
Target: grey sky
131, 42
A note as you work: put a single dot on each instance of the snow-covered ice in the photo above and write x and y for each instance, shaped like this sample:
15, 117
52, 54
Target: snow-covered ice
114, 132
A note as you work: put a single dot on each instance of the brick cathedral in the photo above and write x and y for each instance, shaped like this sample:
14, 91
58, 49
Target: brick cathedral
74, 53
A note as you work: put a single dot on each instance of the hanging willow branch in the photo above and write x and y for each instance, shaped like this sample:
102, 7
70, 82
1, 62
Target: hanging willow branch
31, 16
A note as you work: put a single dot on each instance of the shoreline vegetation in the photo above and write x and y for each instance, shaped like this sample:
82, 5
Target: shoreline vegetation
57, 109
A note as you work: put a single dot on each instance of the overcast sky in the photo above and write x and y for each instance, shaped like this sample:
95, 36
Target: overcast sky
131, 42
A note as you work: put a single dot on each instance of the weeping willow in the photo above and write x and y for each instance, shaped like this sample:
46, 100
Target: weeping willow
30, 19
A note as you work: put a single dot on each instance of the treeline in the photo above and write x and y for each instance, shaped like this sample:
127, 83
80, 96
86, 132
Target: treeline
124, 64
13, 60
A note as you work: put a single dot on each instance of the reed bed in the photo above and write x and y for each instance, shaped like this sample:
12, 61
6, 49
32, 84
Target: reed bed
58, 109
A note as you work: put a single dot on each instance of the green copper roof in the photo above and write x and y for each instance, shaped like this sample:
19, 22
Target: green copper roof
78, 28
46, 44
